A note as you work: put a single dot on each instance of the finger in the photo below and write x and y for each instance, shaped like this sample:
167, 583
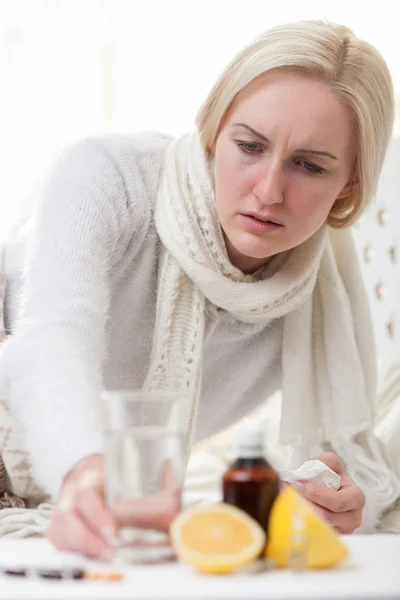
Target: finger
91, 508
336, 501
67, 502
91, 478
68, 532
152, 512
332, 461
345, 522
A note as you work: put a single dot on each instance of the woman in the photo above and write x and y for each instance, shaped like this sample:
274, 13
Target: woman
239, 231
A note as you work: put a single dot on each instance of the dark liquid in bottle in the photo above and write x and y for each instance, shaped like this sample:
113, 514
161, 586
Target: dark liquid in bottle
252, 485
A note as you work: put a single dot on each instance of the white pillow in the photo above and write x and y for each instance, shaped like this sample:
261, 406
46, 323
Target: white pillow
16, 459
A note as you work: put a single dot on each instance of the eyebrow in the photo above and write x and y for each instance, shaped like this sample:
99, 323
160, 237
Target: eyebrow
298, 150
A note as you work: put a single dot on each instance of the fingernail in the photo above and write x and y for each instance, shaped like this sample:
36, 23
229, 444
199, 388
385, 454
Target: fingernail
89, 479
66, 504
299, 486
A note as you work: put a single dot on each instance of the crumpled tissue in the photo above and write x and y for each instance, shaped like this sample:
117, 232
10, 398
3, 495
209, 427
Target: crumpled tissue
315, 471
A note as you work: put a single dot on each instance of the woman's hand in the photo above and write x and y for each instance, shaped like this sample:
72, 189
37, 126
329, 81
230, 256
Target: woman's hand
82, 522
343, 508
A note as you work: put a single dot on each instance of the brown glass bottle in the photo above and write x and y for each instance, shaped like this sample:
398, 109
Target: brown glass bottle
251, 483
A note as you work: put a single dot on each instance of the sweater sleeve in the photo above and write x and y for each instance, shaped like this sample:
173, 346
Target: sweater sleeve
51, 365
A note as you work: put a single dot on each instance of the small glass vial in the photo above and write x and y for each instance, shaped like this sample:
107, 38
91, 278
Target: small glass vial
251, 483
298, 547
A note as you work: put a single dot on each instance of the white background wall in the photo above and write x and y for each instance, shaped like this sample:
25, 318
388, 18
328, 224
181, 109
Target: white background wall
69, 68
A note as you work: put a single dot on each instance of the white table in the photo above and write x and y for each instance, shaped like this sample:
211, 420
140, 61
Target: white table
371, 572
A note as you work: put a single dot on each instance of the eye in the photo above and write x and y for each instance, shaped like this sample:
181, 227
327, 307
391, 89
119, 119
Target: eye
309, 166
250, 147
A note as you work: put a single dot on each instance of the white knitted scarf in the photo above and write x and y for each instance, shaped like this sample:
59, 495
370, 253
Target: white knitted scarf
328, 354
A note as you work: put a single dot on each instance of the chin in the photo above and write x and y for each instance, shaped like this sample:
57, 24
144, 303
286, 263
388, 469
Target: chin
255, 247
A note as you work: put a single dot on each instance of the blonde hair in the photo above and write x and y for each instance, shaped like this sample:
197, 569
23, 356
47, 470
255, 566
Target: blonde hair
354, 70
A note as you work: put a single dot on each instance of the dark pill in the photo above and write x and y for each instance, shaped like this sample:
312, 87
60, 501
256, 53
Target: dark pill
15, 572
61, 573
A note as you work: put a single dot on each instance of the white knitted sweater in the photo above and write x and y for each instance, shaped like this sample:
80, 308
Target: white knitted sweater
87, 310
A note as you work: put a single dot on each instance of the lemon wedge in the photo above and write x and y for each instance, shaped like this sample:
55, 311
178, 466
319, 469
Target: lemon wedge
323, 547
216, 539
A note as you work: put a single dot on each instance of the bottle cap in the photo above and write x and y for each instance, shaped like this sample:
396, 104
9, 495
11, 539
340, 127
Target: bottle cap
249, 441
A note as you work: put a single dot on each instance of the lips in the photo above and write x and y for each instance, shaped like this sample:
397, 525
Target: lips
263, 218
258, 225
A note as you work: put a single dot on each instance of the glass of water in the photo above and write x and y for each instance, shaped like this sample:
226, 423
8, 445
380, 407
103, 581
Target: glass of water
145, 434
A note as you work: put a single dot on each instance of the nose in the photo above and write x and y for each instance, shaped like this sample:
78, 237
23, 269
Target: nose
269, 186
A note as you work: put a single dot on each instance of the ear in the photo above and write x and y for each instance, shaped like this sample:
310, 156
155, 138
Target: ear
349, 188
211, 148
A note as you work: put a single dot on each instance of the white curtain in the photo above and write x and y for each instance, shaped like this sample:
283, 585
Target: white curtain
70, 68
55, 86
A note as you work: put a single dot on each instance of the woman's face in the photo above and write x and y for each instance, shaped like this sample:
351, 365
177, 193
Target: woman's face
283, 155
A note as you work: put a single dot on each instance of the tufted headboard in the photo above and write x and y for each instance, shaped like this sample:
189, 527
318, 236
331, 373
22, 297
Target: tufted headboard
378, 240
